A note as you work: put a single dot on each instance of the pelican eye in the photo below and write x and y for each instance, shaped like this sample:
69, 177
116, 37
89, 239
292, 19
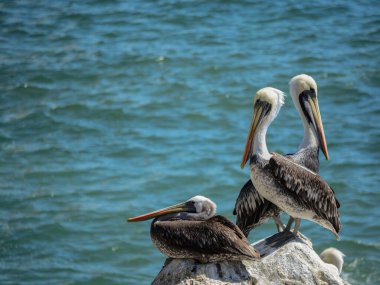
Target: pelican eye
266, 106
191, 206
303, 100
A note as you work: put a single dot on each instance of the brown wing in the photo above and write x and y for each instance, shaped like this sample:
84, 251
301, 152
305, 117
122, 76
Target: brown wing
307, 187
252, 209
336, 199
214, 236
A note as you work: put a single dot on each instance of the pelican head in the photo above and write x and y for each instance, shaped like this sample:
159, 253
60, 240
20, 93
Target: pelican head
203, 206
333, 256
266, 105
197, 207
303, 90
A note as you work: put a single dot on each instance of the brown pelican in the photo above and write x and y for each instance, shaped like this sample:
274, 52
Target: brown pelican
191, 230
293, 188
333, 256
251, 208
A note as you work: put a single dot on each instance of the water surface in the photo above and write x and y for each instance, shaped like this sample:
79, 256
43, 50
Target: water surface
110, 109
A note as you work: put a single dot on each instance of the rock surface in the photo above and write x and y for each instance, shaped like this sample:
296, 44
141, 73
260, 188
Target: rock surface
285, 260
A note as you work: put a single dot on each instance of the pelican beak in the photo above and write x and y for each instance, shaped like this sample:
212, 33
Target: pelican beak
182, 207
313, 101
257, 116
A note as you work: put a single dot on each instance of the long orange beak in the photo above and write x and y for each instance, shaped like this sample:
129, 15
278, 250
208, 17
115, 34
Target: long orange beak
318, 121
182, 207
251, 134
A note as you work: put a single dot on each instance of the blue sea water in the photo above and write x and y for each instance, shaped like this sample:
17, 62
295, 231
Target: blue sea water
110, 109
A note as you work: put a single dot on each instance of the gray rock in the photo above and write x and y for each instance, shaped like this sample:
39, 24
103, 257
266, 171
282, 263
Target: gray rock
285, 260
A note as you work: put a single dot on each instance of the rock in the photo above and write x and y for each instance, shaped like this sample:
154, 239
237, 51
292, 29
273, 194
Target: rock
285, 260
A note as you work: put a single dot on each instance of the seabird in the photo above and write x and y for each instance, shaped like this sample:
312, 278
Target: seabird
251, 208
191, 230
295, 189
333, 256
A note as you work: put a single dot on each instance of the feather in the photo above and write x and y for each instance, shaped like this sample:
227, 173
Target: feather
322, 203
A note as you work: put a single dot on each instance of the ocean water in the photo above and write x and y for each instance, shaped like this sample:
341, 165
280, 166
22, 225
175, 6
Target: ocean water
111, 109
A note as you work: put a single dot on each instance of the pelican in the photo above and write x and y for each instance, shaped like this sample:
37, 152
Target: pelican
251, 208
333, 256
191, 230
295, 189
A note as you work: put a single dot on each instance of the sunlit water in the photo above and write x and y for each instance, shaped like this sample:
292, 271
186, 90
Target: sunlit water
110, 109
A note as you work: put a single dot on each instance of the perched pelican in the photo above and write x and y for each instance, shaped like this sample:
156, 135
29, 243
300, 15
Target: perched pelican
333, 256
293, 188
191, 230
251, 208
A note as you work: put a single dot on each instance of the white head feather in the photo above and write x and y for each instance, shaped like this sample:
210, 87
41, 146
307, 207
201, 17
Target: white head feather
333, 256
204, 205
300, 83
271, 95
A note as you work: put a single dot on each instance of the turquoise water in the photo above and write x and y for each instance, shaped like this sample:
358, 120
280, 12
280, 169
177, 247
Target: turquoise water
110, 109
